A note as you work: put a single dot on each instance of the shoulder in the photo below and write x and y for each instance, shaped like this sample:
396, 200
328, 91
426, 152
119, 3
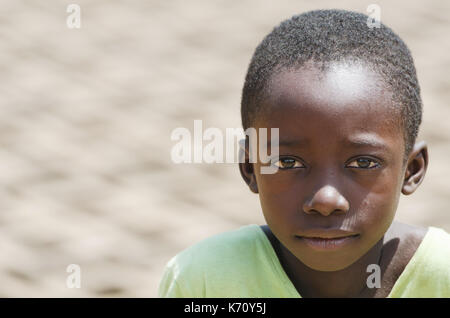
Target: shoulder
434, 242
188, 272
427, 272
431, 262
436, 245
424, 244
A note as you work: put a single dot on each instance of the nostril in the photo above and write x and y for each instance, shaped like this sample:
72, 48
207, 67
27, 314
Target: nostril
311, 211
324, 212
325, 201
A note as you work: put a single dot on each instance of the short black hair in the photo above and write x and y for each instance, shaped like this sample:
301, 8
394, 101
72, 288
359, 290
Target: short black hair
333, 35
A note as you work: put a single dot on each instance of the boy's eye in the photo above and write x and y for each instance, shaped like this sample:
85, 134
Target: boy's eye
363, 163
288, 163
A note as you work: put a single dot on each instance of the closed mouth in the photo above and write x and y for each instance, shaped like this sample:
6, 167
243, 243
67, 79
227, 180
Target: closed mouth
327, 243
327, 238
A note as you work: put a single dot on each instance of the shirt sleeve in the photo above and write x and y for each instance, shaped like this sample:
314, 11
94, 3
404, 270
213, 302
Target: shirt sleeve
182, 278
168, 287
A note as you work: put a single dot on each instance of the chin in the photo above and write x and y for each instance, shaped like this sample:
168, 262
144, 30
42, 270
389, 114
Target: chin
327, 266
328, 262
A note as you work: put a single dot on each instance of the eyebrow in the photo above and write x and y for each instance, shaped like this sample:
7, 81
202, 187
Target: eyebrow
364, 142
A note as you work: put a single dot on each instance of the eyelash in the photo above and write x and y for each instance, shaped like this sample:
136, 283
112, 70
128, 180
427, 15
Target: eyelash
376, 163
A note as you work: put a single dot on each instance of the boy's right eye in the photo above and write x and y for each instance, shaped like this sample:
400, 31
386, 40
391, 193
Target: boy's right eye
288, 163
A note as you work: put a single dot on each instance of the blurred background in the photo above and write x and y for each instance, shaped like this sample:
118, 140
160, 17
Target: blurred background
86, 117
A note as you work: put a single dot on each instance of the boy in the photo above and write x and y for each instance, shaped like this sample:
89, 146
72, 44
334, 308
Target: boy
347, 104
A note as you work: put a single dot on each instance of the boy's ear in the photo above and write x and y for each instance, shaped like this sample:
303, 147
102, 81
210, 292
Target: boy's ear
416, 167
246, 168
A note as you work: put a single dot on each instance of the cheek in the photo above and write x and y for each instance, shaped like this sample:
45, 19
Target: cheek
376, 211
279, 201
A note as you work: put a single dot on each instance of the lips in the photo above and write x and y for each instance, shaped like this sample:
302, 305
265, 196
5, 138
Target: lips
320, 239
326, 233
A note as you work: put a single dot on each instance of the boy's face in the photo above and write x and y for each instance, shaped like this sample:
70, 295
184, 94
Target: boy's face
340, 163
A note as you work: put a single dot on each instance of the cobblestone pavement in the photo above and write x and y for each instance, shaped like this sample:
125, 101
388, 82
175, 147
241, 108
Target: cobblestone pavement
86, 117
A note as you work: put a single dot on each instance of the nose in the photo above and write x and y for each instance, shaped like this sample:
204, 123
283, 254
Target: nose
326, 201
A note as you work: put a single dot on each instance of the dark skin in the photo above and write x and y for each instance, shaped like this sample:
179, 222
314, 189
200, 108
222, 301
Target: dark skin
341, 165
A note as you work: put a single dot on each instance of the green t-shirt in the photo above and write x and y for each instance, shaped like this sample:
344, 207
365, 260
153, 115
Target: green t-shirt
242, 263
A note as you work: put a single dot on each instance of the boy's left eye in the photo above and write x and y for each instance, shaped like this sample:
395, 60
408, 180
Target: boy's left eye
363, 163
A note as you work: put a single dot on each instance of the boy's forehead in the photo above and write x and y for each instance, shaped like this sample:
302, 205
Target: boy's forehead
339, 85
